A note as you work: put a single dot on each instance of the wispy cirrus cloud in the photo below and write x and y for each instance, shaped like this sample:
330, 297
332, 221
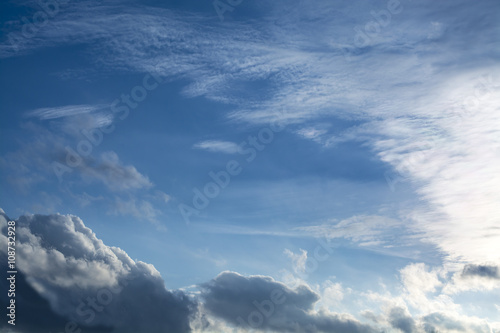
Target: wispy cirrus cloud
139, 209
363, 230
64, 111
109, 170
31, 167
217, 146
398, 85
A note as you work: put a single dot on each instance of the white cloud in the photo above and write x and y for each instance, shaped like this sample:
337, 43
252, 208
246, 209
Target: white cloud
333, 294
312, 133
421, 305
64, 111
452, 166
366, 230
217, 146
299, 260
477, 278
418, 282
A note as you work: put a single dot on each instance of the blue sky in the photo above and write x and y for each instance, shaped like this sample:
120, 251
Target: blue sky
225, 143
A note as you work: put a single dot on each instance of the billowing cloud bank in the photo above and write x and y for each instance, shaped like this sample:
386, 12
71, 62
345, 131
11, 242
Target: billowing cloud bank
91, 284
69, 280
259, 302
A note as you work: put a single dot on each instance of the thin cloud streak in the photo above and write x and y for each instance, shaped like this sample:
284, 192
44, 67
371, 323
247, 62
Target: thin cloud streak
218, 146
64, 111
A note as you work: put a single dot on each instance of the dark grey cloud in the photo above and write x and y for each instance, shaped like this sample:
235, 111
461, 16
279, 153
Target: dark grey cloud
259, 302
110, 171
33, 312
486, 271
68, 275
436, 322
400, 318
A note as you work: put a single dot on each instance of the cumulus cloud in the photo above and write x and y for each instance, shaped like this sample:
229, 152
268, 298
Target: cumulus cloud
400, 318
262, 303
299, 260
440, 322
333, 293
474, 277
419, 281
91, 284
426, 303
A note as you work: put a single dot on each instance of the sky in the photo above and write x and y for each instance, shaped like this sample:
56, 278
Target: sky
251, 166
